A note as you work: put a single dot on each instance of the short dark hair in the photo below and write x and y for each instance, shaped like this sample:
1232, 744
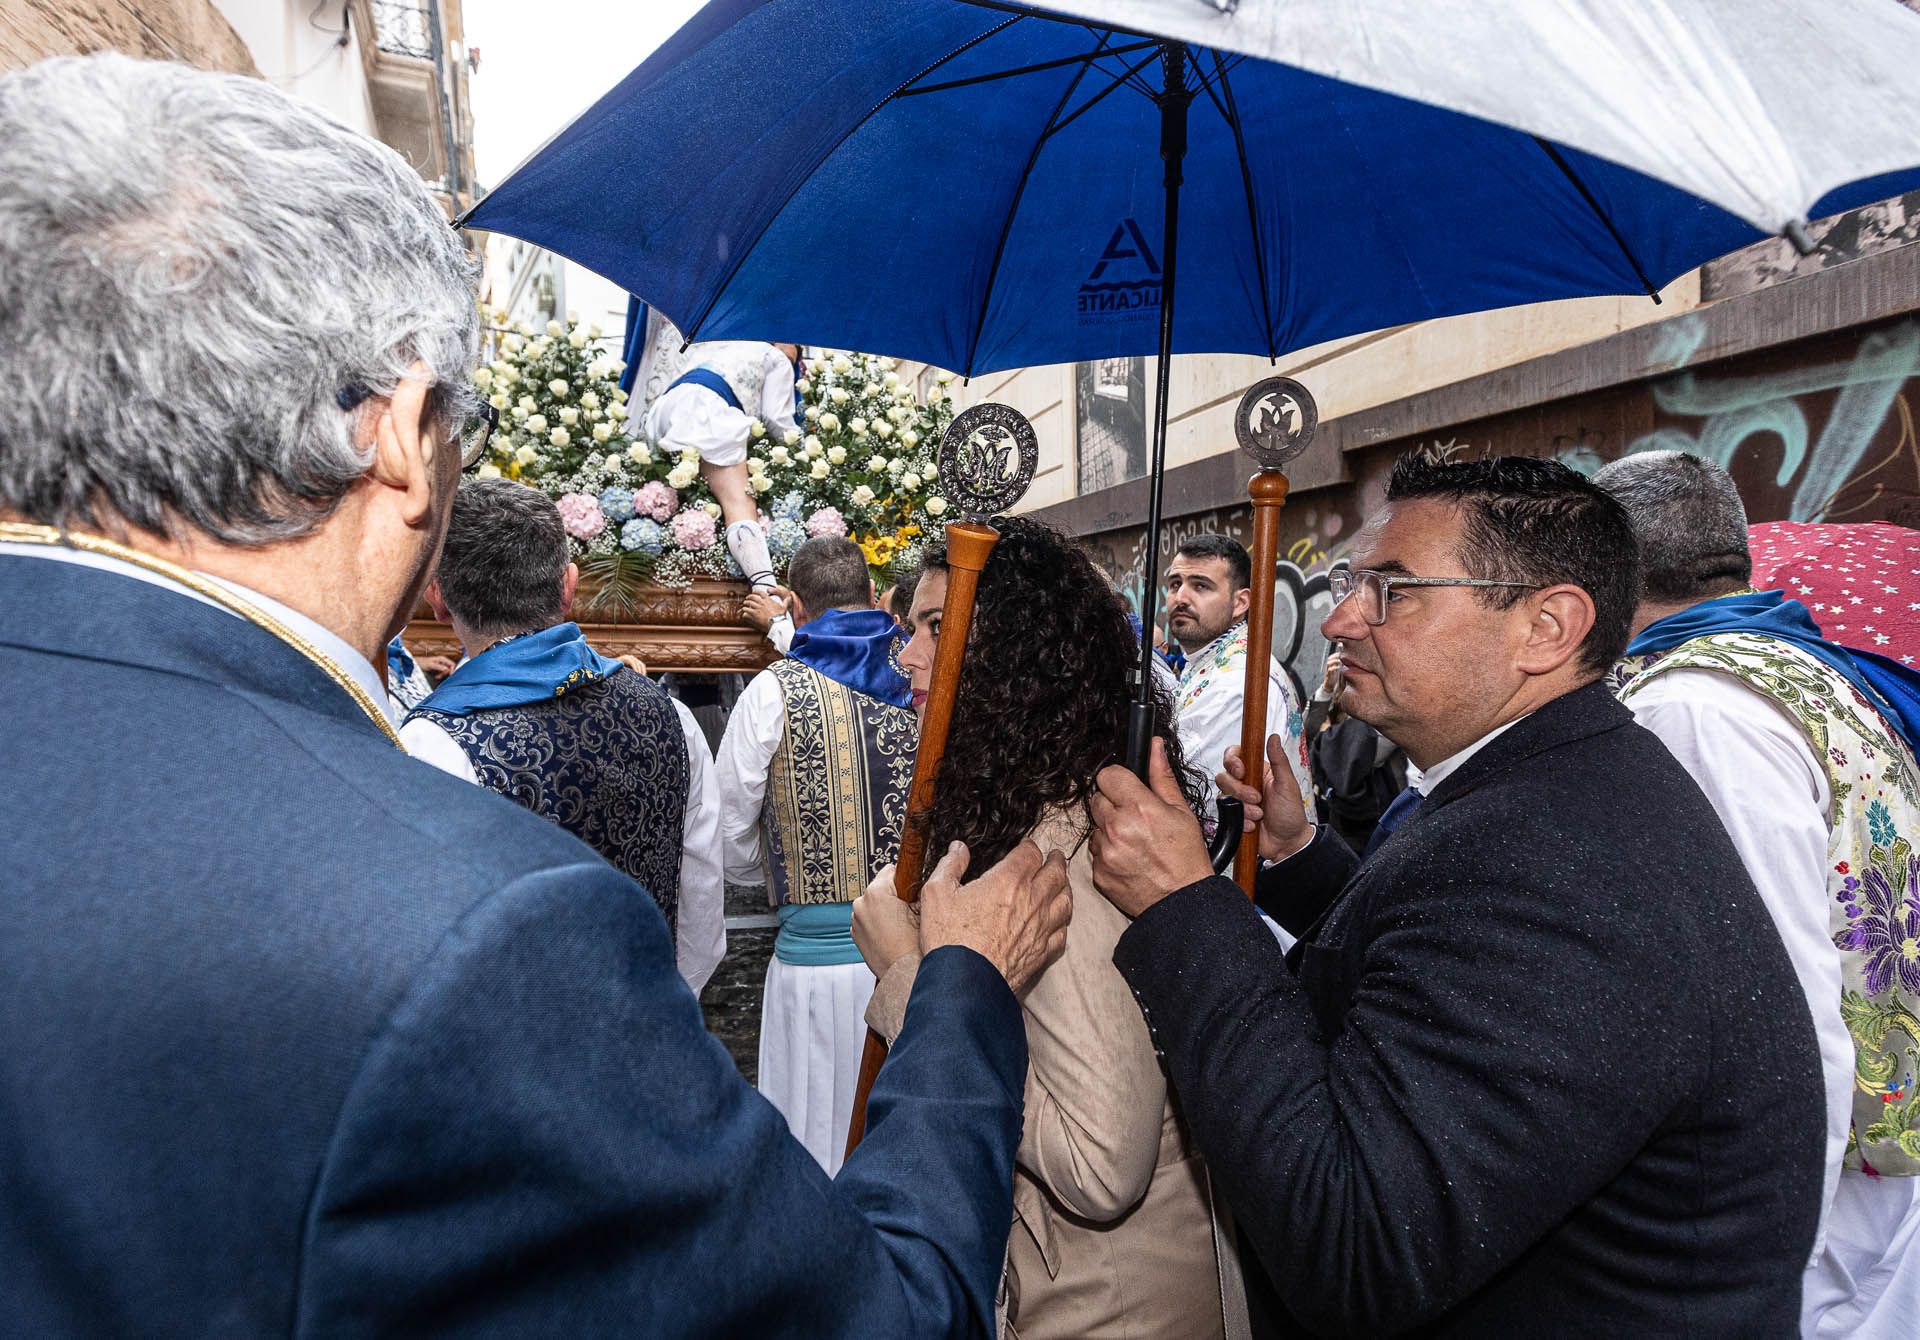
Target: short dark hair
1690, 520
900, 600
1540, 523
828, 572
1209, 545
503, 566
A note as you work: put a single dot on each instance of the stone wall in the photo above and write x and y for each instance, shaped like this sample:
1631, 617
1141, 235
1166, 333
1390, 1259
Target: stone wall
186, 30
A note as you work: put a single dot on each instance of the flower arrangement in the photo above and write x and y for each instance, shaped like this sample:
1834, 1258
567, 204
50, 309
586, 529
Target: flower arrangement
859, 463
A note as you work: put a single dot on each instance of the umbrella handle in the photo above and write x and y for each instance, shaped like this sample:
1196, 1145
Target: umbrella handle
969, 545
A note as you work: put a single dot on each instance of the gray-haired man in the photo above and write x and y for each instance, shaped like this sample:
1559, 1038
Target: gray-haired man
301, 1036
1818, 790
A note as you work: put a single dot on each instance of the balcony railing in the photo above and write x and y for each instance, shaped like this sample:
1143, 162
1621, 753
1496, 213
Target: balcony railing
403, 29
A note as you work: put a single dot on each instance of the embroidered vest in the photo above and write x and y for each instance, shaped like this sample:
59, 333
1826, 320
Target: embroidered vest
837, 790
742, 362
606, 761
1873, 872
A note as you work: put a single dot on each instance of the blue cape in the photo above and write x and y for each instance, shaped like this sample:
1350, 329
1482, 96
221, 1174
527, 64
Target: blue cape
400, 663
855, 648
1891, 687
530, 668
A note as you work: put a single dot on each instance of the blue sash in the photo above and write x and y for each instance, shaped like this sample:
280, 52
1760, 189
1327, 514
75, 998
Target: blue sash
856, 648
400, 665
1891, 687
816, 935
530, 668
710, 379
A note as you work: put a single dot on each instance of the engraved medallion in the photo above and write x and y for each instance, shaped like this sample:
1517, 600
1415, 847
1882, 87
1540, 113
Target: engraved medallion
1275, 421
987, 459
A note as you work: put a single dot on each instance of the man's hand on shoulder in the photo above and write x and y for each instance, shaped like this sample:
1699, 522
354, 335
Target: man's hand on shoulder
1015, 915
1146, 842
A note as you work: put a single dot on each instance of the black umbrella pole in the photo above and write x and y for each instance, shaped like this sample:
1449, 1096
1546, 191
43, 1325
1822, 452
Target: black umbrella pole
1173, 149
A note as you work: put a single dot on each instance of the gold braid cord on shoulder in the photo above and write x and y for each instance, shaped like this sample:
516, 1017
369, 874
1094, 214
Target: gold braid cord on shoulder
14, 532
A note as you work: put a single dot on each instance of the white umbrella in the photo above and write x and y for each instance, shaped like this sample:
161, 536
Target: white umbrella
1760, 106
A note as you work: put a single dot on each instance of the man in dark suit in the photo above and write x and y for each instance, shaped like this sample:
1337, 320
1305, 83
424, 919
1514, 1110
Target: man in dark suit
1538, 1065
299, 1036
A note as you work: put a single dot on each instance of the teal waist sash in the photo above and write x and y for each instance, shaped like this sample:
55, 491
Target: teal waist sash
816, 935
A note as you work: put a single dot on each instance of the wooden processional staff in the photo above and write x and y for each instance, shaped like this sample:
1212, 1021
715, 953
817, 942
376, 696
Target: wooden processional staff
1274, 424
987, 459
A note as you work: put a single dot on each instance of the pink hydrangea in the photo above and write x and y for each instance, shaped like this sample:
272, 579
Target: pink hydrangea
827, 521
655, 499
693, 529
580, 514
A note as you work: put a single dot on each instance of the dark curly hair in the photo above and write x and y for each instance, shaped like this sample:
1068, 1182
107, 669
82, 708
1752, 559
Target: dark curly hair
1045, 687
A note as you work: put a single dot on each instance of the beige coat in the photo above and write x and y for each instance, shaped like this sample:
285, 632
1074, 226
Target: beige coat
1113, 1235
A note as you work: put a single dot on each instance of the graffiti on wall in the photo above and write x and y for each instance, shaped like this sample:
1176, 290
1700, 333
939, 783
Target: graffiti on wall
1313, 538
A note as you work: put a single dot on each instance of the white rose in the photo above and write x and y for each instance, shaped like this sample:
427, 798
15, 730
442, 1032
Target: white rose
803, 386
881, 428
510, 376
616, 412
909, 481
590, 401
877, 463
526, 403
891, 379
839, 395
602, 431
619, 394
538, 348
498, 400
909, 439
681, 476
813, 413
930, 470
558, 437
896, 465
862, 496
819, 470
791, 436
526, 455
712, 509
936, 505
537, 424
522, 328
899, 414
513, 344
569, 416
841, 365
781, 456
690, 456
756, 429
555, 328
858, 425
837, 455
889, 364
759, 484
558, 386
519, 413
615, 367
830, 422
943, 377
814, 452
483, 377
488, 471
812, 443
578, 339
639, 455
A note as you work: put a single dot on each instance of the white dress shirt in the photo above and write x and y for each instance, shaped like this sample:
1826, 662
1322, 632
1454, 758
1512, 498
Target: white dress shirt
1755, 766
700, 940
1209, 706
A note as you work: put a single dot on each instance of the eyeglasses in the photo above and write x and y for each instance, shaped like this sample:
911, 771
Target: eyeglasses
1373, 588
476, 433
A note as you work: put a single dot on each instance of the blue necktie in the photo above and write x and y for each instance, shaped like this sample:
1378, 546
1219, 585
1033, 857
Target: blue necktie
1396, 814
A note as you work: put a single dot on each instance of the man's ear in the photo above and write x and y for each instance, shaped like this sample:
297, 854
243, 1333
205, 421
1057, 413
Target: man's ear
1558, 621
797, 608
569, 584
404, 444
873, 593
1242, 602
438, 603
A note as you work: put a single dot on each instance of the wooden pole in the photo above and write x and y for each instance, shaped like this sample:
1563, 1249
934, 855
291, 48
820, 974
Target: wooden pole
969, 545
1268, 490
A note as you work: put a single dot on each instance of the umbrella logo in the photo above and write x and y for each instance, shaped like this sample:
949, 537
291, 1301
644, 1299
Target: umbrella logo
1275, 421
987, 458
1124, 281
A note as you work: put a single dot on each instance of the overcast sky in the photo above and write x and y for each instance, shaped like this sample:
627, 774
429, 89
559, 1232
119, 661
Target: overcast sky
542, 62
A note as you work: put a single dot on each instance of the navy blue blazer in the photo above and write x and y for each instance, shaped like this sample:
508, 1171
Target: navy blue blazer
299, 1036
1540, 1067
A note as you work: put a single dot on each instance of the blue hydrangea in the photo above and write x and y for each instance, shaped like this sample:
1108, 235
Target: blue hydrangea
785, 535
643, 535
617, 503
789, 507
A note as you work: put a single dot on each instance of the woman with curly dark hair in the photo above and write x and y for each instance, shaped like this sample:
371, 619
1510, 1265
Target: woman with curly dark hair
1114, 1232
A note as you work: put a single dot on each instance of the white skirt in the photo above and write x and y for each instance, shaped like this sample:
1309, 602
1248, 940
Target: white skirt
812, 1030
693, 416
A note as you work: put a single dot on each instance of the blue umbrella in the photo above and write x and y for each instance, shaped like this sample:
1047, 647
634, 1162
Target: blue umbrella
980, 185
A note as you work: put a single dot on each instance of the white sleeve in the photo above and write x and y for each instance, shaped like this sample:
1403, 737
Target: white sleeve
425, 741
1207, 725
702, 917
776, 395
746, 755
1756, 768
1285, 720
780, 633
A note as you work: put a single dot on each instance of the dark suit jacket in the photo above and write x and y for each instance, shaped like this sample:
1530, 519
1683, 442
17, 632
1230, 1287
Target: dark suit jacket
301, 1037
1542, 1068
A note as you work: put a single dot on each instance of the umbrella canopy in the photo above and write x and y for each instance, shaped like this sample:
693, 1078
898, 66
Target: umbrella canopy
1761, 106
1861, 582
979, 186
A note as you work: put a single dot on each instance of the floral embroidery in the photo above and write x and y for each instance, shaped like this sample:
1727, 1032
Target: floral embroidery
1880, 821
1887, 929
